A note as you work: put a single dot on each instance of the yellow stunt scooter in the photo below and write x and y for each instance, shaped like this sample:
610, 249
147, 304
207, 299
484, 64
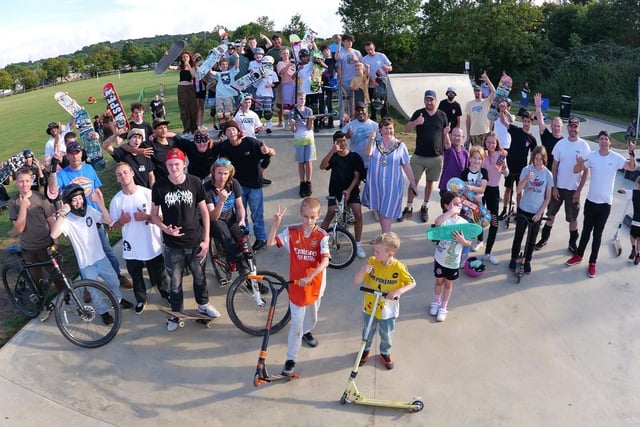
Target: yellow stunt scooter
351, 393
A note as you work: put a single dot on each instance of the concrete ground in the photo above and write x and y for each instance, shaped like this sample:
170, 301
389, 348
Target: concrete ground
558, 349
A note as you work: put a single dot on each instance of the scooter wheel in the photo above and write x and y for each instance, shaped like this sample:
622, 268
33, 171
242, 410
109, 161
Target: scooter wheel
417, 405
256, 380
343, 399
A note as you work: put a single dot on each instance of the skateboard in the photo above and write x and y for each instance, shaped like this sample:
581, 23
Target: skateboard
214, 56
502, 93
316, 71
379, 94
115, 107
445, 232
470, 209
88, 135
190, 315
171, 55
10, 166
248, 79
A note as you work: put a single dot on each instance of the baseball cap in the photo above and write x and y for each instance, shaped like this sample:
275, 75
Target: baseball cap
430, 94
158, 122
603, 133
175, 153
453, 90
136, 131
73, 146
362, 106
573, 121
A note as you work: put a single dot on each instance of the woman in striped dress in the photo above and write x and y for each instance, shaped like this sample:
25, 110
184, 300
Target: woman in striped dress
388, 158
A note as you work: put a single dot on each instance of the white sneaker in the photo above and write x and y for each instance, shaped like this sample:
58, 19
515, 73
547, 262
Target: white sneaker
172, 324
442, 314
361, 253
209, 310
477, 247
493, 260
433, 309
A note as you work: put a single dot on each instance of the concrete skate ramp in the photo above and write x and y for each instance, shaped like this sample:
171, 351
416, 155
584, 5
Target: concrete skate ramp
406, 91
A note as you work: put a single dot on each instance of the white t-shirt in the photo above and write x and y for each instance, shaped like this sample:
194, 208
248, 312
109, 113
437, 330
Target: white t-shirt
141, 240
504, 137
82, 231
248, 121
478, 110
375, 63
603, 175
565, 153
449, 252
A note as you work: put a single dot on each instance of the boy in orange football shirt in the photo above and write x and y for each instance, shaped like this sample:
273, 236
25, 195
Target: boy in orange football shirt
308, 247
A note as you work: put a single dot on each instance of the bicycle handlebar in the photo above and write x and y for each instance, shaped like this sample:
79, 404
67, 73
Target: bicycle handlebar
261, 277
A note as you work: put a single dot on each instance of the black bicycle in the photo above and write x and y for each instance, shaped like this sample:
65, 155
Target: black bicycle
222, 268
342, 244
86, 311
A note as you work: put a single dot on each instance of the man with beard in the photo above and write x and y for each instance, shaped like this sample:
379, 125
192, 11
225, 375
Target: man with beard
451, 108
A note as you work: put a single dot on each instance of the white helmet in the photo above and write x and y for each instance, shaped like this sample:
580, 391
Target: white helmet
268, 60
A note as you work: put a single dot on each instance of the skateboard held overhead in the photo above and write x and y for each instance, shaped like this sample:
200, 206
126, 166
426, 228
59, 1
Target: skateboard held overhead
502, 94
115, 108
171, 55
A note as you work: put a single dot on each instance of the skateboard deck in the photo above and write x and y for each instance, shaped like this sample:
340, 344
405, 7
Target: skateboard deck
214, 56
248, 79
88, 135
471, 210
316, 71
379, 94
445, 232
190, 315
502, 93
171, 55
115, 107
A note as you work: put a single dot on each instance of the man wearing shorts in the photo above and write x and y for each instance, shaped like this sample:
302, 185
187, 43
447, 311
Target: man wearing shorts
431, 129
566, 184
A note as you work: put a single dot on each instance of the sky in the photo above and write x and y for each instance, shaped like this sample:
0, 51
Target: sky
40, 30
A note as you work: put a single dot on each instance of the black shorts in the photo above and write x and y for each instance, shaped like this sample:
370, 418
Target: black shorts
444, 272
512, 178
635, 232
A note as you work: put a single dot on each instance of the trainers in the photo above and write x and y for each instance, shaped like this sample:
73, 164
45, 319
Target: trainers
632, 255
442, 314
386, 360
126, 304
636, 260
502, 215
364, 358
125, 282
172, 323
574, 260
424, 214
512, 265
140, 307
106, 318
289, 368
407, 212
591, 271
490, 258
360, 251
269, 131
208, 310
541, 244
477, 247
309, 340
434, 307
527, 268
308, 189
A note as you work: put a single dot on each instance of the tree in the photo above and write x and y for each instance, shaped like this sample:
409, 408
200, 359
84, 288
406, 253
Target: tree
252, 29
77, 64
295, 26
561, 22
131, 54
27, 79
56, 68
6, 81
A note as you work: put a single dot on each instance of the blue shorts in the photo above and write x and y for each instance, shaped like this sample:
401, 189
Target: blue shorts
305, 153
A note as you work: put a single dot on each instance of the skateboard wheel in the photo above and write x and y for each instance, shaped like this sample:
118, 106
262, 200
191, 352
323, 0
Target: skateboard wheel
209, 325
181, 324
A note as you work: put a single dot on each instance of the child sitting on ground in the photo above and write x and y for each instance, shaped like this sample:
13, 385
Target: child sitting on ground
385, 273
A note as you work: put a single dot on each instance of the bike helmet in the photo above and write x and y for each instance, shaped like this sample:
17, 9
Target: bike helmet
474, 267
69, 193
303, 52
268, 60
27, 153
258, 51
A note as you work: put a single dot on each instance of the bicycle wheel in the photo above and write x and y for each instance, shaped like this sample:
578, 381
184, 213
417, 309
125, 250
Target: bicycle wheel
342, 246
83, 324
21, 290
248, 311
219, 264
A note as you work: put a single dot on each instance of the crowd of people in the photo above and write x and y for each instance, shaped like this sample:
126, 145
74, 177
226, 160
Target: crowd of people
179, 191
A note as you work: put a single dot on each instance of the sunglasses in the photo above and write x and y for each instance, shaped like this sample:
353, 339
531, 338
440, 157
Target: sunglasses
201, 142
223, 162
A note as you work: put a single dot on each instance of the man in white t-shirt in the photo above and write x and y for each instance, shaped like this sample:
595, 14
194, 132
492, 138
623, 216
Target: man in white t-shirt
604, 164
567, 185
475, 113
379, 68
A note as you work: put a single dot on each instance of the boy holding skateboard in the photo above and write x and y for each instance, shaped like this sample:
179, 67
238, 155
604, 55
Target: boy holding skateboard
308, 247
447, 256
385, 273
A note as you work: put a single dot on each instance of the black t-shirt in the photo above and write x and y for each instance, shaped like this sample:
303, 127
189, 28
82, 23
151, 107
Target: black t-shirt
429, 134
474, 178
142, 166
146, 127
199, 163
179, 205
521, 144
159, 153
549, 141
452, 110
245, 157
229, 207
342, 171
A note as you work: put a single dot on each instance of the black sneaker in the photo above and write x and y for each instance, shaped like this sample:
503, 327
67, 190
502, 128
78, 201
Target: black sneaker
502, 215
289, 368
527, 268
424, 214
364, 358
106, 318
308, 191
258, 244
269, 131
302, 191
632, 255
140, 307
309, 340
126, 304
407, 212
541, 244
